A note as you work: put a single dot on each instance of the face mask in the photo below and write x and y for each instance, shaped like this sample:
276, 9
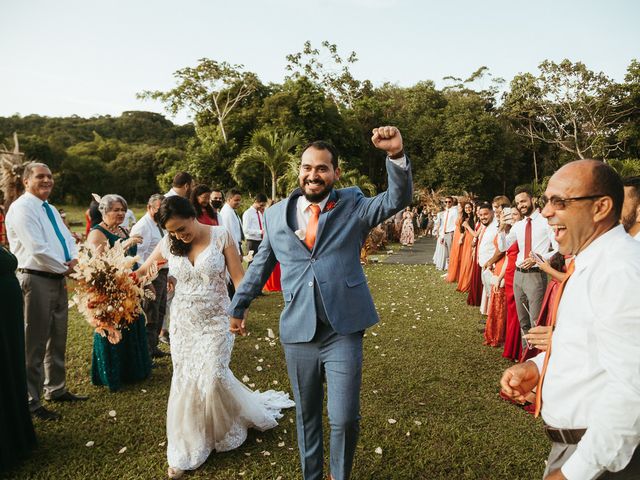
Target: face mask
216, 203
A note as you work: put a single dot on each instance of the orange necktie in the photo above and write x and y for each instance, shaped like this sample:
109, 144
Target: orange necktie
554, 314
312, 226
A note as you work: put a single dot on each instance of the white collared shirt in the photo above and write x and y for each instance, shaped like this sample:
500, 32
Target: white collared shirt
637, 237
542, 237
450, 220
171, 193
593, 379
232, 222
32, 238
151, 235
251, 226
487, 249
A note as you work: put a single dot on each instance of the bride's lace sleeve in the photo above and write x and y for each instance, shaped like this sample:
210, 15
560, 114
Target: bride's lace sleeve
223, 237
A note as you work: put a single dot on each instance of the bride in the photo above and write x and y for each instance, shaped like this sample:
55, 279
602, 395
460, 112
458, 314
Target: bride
209, 409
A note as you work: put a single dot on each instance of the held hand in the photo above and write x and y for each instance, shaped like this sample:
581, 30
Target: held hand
387, 139
519, 380
540, 337
171, 285
528, 263
237, 326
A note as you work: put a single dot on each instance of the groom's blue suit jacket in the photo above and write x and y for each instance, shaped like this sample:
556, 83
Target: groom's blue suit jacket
327, 282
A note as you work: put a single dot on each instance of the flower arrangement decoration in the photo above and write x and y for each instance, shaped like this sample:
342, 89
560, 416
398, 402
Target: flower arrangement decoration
107, 292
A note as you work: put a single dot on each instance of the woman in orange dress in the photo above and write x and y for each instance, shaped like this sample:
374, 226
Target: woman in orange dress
466, 250
497, 310
456, 246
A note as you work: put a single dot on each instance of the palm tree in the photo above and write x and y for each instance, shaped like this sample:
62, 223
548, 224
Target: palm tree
269, 148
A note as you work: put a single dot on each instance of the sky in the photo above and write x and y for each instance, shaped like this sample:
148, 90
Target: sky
89, 57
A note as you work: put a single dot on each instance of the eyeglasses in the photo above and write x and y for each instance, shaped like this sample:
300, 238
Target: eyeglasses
560, 203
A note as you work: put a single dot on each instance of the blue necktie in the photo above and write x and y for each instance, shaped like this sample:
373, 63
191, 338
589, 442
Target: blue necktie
52, 218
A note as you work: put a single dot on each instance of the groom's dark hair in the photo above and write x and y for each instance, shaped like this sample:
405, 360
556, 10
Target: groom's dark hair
322, 145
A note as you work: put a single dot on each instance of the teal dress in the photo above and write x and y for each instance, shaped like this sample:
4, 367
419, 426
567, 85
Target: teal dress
128, 361
17, 437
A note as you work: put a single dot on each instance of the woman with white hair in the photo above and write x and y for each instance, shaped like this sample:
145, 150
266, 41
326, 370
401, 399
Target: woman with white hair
127, 361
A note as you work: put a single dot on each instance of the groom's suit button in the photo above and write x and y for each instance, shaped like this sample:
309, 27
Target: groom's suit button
313, 260
310, 284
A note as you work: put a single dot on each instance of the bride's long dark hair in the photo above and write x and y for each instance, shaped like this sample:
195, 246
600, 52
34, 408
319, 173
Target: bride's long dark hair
172, 207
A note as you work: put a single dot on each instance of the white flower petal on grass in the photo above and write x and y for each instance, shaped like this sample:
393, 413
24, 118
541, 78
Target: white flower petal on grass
257, 347
281, 444
417, 422
143, 391
258, 440
266, 453
245, 379
252, 385
392, 421
270, 333
378, 450
90, 444
123, 449
408, 434
259, 368
162, 444
112, 413
275, 382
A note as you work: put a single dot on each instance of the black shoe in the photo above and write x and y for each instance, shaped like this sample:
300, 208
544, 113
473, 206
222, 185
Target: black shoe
164, 339
160, 354
47, 415
69, 397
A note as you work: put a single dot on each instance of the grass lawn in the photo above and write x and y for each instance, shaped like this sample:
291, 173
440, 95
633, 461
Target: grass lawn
429, 401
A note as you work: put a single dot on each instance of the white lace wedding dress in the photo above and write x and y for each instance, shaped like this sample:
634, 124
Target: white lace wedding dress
209, 409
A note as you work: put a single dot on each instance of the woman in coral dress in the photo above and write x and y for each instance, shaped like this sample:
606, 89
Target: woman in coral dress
497, 311
456, 247
475, 285
513, 334
466, 249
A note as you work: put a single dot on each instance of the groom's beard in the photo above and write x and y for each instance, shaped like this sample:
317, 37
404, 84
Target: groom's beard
319, 196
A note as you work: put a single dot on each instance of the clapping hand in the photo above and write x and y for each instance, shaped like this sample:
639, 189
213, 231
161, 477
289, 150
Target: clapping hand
387, 139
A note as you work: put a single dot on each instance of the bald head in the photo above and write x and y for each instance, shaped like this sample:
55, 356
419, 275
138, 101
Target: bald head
584, 201
593, 177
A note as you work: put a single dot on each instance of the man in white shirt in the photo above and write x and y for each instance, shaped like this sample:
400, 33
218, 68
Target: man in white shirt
181, 185
230, 218
253, 223
46, 254
630, 217
486, 250
533, 236
590, 392
448, 226
155, 310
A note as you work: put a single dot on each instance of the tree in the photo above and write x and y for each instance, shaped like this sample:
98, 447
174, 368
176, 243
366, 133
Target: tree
270, 149
331, 73
569, 106
211, 91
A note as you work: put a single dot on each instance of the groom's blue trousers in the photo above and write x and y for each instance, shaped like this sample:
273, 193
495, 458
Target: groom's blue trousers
338, 360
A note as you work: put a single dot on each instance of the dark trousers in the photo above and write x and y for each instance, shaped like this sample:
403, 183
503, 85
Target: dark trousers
253, 245
156, 309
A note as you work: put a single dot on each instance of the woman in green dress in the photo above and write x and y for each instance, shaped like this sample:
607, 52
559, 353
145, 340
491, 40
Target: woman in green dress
17, 437
128, 361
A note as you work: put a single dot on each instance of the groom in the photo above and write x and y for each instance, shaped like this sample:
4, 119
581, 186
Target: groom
316, 235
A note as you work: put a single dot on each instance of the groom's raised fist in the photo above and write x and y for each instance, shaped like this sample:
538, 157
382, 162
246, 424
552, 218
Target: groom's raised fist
388, 139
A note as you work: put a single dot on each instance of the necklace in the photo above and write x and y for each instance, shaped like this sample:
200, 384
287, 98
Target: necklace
113, 230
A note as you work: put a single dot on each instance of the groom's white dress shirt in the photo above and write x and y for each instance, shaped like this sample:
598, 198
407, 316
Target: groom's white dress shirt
32, 238
593, 376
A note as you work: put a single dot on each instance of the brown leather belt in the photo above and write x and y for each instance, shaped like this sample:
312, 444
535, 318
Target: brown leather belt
39, 273
564, 435
528, 270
